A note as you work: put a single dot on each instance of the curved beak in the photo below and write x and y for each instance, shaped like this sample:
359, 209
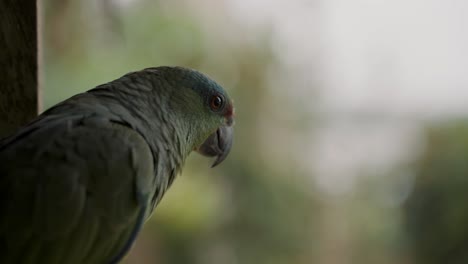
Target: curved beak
218, 144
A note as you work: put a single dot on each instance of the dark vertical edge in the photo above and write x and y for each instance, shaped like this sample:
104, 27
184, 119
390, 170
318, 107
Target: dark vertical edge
18, 64
39, 55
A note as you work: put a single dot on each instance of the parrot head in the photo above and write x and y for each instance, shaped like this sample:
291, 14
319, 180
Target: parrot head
207, 104
219, 143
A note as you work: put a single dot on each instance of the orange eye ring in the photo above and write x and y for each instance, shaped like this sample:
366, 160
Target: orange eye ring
216, 102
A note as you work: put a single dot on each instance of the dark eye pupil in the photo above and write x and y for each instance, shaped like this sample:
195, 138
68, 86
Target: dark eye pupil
216, 102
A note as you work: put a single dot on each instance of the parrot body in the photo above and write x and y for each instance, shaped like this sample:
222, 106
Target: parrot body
77, 183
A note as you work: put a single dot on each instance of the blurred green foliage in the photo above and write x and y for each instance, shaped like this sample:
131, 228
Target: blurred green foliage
436, 213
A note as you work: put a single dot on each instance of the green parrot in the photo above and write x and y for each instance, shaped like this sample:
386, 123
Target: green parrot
79, 181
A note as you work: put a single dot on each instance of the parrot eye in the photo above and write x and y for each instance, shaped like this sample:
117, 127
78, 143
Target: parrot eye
216, 102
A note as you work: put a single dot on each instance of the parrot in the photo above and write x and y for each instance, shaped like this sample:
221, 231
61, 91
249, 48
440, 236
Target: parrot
78, 182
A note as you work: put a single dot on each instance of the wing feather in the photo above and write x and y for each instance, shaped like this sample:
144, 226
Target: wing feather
70, 191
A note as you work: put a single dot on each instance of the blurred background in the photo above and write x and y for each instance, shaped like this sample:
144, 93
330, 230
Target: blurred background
351, 137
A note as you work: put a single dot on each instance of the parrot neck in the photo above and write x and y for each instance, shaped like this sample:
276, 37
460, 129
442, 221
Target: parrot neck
167, 133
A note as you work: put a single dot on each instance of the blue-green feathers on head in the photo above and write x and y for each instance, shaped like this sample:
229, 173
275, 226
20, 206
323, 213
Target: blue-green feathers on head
201, 84
195, 91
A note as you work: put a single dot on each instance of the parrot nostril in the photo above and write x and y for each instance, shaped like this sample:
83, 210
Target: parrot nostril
230, 111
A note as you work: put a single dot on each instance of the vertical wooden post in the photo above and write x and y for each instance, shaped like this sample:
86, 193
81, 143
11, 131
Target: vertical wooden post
18, 64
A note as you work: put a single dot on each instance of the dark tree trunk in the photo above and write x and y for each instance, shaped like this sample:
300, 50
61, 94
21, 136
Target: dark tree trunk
18, 64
